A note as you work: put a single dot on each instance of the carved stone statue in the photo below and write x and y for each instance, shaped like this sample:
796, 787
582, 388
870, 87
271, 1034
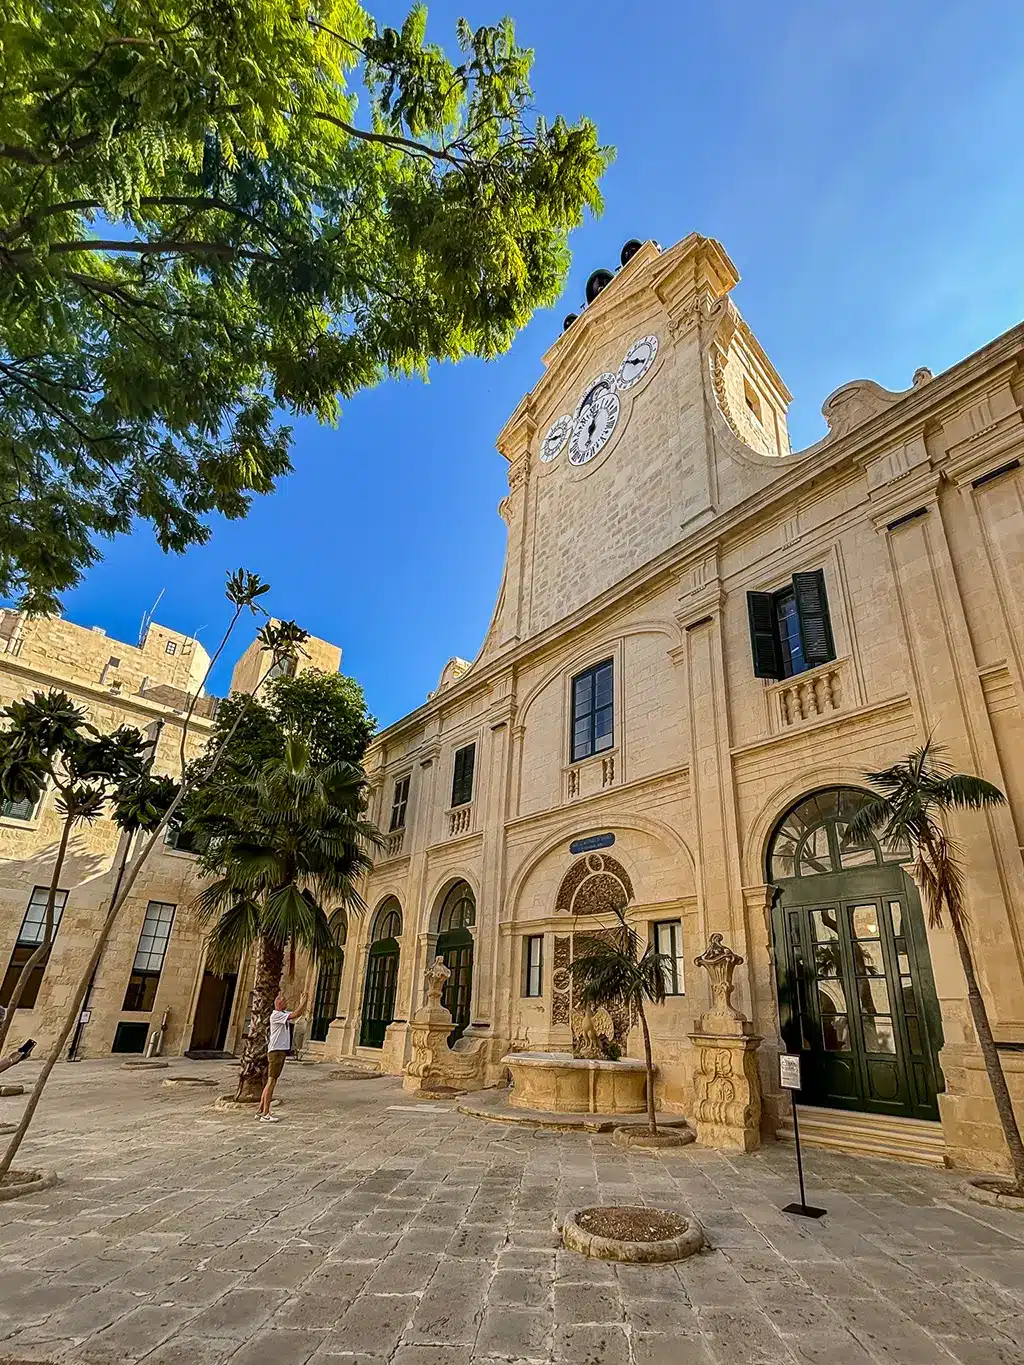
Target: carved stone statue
588, 1042
434, 1066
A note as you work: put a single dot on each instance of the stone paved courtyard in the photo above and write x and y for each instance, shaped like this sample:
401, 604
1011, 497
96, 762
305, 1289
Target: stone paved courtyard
368, 1228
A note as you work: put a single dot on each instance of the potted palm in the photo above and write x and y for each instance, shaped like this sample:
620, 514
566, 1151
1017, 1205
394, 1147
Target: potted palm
913, 797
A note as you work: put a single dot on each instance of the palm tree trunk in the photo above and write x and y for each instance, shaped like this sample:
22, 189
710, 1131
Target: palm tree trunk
40, 953
252, 1073
651, 1118
989, 1051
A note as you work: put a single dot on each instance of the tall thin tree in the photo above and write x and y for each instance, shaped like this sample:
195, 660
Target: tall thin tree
244, 589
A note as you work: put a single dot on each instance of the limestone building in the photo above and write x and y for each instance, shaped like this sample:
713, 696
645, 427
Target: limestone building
154, 966
701, 642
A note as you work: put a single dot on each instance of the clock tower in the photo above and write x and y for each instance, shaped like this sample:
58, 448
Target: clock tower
613, 456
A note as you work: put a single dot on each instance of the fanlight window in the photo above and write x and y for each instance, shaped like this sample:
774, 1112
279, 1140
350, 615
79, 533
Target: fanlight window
339, 927
388, 923
814, 838
458, 910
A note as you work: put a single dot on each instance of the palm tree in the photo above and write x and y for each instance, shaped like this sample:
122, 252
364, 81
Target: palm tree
49, 743
915, 794
616, 969
287, 839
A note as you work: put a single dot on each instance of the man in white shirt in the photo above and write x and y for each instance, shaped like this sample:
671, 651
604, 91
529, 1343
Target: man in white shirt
281, 1020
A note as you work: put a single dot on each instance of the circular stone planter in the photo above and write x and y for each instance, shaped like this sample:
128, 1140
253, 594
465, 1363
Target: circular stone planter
648, 1141
993, 1189
645, 1236
17, 1183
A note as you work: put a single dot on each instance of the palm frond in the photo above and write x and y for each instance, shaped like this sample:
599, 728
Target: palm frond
235, 931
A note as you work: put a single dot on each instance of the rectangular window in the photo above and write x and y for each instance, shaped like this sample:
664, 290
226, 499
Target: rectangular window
533, 965
462, 776
181, 840
30, 935
171, 647
593, 727
790, 630
399, 804
149, 956
668, 940
19, 810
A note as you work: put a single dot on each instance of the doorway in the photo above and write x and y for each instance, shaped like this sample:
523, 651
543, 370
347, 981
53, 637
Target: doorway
856, 995
213, 1011
381, 974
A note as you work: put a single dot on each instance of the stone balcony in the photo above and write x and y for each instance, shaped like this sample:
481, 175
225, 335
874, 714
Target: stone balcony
807, 697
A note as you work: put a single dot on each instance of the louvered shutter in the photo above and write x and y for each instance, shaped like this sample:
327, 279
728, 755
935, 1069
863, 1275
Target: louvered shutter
763, 641
812, 610
462, 779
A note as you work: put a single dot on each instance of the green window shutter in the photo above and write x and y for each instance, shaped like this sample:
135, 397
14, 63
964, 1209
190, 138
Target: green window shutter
812, 610
764, 644
462, 778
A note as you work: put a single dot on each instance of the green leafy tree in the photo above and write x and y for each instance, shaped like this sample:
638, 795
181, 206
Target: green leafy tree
618, 969
289, 844
47, 742
201, 221
915, 796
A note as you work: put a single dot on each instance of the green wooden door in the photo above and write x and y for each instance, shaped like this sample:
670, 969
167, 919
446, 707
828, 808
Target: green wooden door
856, 995
456, 947
379, 995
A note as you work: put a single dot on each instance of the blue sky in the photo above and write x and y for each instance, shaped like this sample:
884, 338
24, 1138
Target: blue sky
861, 164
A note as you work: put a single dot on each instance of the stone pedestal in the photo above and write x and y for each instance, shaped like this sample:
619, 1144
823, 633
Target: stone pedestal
433, 1064
727, 1089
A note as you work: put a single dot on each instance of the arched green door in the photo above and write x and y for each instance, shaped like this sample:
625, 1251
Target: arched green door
381, 975
328, 983
455, 944
856, 994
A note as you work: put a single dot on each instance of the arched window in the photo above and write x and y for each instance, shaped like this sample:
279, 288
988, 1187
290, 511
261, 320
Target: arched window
388, 923
455, 921
381, 974
458, 910
328, 982
813, 838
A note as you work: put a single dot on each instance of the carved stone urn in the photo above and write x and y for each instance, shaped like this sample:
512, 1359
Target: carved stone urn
727, 1089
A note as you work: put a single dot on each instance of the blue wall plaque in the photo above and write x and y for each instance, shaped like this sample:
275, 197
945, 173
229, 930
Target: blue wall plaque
594, 841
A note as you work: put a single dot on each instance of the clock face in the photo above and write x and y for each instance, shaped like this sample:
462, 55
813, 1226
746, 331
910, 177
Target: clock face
603, 383
638, 360
594, 427
558, 434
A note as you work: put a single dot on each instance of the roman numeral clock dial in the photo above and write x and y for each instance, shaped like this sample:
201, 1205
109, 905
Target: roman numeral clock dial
599, 409
594, 427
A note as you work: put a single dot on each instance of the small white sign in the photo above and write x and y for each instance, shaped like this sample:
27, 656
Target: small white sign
85, 1016
789, 1070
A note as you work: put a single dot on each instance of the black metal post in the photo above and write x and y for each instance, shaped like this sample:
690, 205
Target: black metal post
799, 1158
803, 1208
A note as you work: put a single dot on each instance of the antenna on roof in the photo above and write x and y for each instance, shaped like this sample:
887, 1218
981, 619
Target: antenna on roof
147, 618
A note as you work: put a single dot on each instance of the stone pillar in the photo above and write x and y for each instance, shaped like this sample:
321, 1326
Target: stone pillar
727, 1090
